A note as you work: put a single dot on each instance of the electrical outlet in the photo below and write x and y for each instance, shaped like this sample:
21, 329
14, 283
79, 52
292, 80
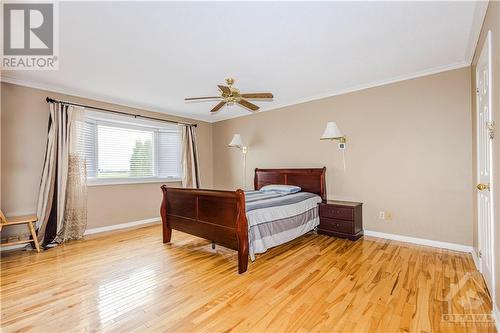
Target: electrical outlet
384, 215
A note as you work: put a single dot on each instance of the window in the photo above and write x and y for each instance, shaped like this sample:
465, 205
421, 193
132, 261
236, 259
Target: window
122, 151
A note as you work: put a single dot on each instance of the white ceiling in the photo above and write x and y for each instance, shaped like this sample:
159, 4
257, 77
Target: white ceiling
152, 55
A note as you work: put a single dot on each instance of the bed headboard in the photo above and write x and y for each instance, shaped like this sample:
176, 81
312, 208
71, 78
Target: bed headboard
310, 180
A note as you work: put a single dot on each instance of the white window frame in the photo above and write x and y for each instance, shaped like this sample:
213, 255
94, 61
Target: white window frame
98, 118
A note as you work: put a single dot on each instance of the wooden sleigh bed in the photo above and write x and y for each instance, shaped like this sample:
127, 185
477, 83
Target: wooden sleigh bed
220, 216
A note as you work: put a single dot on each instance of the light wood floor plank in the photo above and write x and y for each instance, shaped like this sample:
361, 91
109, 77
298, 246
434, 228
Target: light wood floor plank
130, 282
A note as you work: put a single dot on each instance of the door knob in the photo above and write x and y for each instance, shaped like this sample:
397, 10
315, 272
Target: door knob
482, 187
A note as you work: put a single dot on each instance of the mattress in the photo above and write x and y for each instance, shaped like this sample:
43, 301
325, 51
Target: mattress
275, 218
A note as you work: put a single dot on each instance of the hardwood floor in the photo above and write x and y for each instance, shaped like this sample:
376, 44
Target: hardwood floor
131, 282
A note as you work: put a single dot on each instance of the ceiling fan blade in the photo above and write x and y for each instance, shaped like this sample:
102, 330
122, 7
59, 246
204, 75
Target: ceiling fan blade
225, 90
247, 105
257, 95
218, 106
195, 98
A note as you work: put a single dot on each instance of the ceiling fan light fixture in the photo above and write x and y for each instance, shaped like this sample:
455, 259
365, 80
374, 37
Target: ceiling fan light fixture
231, 95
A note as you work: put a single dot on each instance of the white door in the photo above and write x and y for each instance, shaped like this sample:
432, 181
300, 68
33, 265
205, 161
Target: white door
485, 161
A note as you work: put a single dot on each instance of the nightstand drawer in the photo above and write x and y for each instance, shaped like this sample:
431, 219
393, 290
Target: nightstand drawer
335, 212
336, 225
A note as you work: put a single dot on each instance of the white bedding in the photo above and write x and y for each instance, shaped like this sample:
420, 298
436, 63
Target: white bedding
279, 218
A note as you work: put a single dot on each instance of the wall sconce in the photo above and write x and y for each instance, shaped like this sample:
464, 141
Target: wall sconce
236, 142
332, 132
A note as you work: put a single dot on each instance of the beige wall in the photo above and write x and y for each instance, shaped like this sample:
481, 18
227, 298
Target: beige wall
24, 119
491, 23
408, 152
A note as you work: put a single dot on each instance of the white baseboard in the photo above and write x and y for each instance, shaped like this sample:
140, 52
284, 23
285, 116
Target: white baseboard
122, 226
99, 230
475, 257
13, 247
496, 317
420, 241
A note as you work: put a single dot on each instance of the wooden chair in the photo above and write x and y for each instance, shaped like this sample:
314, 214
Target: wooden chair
29, 220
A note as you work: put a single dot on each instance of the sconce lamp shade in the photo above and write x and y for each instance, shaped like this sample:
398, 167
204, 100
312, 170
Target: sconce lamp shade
332, 131
236, 141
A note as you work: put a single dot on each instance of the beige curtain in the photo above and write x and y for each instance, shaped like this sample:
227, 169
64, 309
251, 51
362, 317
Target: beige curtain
49, 174
74, 220
62, 194
190, 166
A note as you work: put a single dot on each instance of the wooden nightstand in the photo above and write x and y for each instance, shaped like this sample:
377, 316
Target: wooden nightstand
341, 219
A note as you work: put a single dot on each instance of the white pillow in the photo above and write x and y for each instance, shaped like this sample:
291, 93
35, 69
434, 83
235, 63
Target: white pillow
288, 189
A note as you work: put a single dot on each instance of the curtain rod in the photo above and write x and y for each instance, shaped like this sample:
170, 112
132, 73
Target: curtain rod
51, 100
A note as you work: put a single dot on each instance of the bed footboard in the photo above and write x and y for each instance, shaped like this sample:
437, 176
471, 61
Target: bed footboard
218, 216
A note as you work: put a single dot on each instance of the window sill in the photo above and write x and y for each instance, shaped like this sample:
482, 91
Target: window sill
107, 182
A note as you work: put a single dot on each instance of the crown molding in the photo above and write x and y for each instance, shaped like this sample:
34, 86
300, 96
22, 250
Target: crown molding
477, 22
99, 98
116, 101
375, 84
475, 31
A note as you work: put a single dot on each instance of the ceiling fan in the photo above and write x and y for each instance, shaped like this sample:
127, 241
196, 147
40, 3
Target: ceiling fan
231, 95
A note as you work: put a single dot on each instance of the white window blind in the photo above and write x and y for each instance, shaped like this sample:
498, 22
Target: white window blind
124, 152
89, 148
169, 154
118, 151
